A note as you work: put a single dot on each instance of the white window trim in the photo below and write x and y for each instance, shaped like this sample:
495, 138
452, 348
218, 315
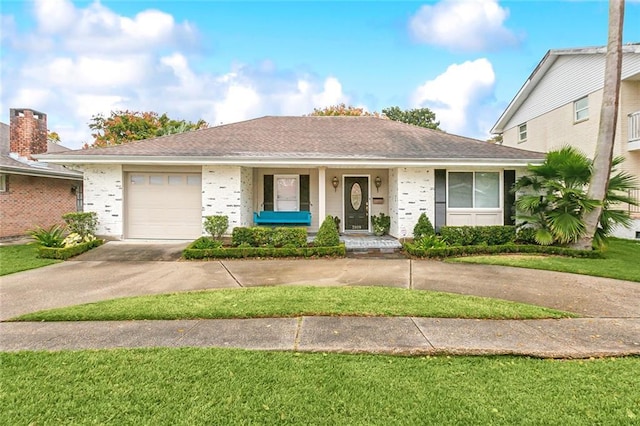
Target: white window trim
275, 190
576, 110
473, 192
520, 132
3, 183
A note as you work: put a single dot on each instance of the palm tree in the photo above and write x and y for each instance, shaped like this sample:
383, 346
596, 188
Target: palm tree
556, 199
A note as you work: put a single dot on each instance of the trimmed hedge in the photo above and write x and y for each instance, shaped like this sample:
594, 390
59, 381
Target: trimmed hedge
65, 253
242, 252
414, 250
261, 236
477, 235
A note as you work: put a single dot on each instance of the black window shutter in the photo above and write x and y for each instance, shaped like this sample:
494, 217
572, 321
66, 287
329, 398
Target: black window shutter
509, 209
305, 199
440, 198
268, 193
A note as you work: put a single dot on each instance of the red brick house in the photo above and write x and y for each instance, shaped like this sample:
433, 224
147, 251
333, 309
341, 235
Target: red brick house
32, 193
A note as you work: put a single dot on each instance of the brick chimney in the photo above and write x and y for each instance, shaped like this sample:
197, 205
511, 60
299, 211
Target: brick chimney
28, 132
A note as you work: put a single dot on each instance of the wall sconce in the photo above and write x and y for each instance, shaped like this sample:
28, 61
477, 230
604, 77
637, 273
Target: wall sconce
74, 189
335, 182
377, 182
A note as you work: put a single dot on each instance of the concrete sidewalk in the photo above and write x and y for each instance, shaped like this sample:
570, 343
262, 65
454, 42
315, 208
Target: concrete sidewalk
611, 307
564, 338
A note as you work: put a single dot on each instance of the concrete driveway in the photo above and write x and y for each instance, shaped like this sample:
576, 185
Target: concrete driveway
121, 269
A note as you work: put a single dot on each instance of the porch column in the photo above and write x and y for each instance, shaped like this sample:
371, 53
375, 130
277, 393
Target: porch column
322, 194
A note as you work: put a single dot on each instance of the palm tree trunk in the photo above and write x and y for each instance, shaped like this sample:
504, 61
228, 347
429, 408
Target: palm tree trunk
608, 117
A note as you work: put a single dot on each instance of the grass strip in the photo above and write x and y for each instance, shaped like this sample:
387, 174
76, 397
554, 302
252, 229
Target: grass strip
285, 301
222, 386
16, 258
620, 262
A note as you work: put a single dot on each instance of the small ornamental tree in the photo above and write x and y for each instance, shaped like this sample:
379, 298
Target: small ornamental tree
423, 228
327, 235
216, 226
82, 223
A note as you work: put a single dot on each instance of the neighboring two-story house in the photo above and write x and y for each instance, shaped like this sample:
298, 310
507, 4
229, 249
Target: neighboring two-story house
33, 193
559, 104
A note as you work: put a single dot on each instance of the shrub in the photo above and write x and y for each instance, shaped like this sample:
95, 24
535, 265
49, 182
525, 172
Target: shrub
478, 235
423, 228
414, 250
289, 237
64, 253
206, 243
381, 224
216, 226
52, 237
74, 239
526, 235
429, 242
81, 223
243, 251
260, 236
327, 235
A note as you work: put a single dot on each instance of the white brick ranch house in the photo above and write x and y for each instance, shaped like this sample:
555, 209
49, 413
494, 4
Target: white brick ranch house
350, 167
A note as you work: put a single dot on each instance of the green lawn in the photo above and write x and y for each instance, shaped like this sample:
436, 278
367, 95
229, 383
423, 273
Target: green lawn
295, 301
21, 258
622, 261
222, 386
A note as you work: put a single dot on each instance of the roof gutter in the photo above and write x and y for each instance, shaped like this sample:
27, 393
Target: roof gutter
40, 173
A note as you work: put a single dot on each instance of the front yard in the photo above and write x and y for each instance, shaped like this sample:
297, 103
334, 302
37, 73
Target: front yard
22, 257
621, 261
221, 386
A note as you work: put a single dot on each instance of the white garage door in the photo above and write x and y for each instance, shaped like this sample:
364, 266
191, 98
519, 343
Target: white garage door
164, 205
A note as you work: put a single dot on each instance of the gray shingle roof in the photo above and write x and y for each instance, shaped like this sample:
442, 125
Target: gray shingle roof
314, 138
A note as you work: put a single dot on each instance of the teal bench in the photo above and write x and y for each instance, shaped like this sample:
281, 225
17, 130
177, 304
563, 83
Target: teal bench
282, 218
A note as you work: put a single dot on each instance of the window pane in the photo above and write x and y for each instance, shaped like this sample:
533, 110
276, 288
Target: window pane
461, 190
193, 180
522, 132
582, 108
175, 180
487, 190
156, 180
137, 180
286, 193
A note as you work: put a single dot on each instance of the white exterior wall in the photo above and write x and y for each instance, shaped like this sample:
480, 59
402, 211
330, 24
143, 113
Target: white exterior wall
103, 194
222, 190
394, 230
415, 195
246, 187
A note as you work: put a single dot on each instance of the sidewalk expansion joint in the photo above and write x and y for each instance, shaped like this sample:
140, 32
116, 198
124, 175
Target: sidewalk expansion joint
189, 330
296, 339
230, 274
413, 320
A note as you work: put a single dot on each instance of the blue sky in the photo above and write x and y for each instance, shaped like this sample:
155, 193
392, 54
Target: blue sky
231, 61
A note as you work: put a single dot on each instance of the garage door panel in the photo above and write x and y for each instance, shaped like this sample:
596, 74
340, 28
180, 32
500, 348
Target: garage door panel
164, 205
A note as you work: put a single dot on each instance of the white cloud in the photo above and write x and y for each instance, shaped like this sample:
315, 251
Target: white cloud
460, 97
92, 60
463, 25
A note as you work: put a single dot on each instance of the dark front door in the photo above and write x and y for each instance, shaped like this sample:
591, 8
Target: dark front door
356, 203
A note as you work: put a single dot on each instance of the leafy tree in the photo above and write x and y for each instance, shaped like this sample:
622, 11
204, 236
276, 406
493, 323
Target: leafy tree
556, 198
342, 109
127, 126
53, 137
497, 139
422, 117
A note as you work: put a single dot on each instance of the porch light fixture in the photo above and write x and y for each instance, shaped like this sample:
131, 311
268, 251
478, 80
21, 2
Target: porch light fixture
377, 182
335, 182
